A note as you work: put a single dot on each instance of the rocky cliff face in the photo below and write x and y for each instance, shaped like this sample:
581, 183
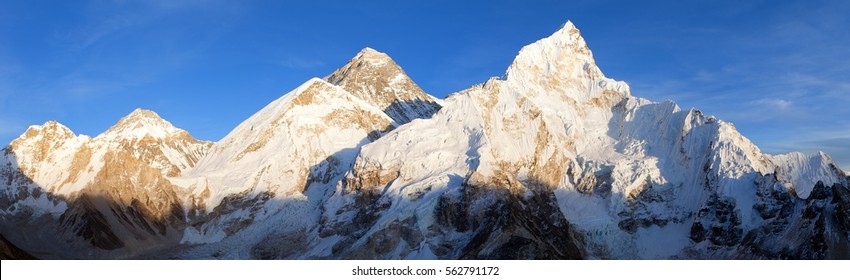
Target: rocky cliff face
551, 161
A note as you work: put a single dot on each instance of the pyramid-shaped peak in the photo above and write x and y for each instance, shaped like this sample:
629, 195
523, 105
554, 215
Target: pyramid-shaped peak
568, 33
374, 77
367, 68
140, 113
369, 51
566, 38
565, 53
142, 116
368, 63
372, 56
568, 26
139, 124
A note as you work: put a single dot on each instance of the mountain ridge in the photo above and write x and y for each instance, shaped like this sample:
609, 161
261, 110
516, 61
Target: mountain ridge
551, 161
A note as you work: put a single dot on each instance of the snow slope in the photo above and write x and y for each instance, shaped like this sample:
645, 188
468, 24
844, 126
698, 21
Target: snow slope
627, 172
283, 160
271, 159
551, 161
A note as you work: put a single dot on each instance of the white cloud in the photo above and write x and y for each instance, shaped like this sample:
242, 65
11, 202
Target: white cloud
773, 103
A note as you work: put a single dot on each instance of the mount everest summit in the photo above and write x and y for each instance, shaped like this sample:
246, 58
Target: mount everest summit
551, 161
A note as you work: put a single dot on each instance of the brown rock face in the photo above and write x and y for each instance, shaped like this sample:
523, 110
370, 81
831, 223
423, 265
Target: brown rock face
112, 192
375, 78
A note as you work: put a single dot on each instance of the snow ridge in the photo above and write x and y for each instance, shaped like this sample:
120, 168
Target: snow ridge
553, 160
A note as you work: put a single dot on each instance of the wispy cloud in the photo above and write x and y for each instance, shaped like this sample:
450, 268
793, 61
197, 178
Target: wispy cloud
774, 104
784, 83
104, 51
108, 18
834, 141
137, 48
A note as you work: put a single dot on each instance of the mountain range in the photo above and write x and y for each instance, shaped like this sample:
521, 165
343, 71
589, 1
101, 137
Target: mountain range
552, 160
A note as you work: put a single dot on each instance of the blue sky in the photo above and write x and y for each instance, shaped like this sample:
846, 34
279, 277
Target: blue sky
779, 70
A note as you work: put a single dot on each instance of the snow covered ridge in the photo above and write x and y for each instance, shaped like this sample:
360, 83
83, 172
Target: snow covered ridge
552, 161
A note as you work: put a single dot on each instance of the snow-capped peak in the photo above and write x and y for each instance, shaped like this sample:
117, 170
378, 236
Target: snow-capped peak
139, 124
568, 29
372, 56
41, 139
555, 156
369, 68
375, 78
563, 54
562, 66
50, 129
804, 171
